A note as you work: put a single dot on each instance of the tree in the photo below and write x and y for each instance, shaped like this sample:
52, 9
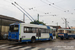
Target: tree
37, 22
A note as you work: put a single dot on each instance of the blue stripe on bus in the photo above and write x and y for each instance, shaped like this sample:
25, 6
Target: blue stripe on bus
44, 39
50, 34
36, 40
66, 35
48, 27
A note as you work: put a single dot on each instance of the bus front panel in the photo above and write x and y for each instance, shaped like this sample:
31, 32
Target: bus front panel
13, 32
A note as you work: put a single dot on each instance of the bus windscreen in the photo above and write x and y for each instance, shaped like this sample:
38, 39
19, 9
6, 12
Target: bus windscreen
14, 28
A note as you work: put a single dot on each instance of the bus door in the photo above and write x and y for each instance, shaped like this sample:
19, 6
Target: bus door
38, 34
54, 35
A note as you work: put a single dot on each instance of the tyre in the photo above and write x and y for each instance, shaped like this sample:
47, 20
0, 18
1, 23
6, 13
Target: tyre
33, 39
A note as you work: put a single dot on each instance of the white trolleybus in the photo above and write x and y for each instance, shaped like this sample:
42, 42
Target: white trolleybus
22, 32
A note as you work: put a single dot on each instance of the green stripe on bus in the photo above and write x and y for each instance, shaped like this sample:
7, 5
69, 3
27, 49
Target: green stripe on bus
30, 38
20, 32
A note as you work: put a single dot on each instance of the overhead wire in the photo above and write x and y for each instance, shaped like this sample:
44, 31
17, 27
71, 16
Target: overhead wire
55, 6
47, 3
50, 5
59, 7
20, 7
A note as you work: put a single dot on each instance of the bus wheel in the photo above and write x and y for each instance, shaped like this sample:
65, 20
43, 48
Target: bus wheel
33, 39
50, 37
61, 38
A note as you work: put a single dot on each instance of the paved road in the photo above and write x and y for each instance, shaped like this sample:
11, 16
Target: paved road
46, 45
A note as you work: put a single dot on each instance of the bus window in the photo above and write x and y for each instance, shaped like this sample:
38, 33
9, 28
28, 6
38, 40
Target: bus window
33, 30
45, 31
29, 30
51, 31
61, 31
13, 28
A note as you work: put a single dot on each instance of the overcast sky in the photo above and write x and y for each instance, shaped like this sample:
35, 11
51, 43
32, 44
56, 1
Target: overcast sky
50, 11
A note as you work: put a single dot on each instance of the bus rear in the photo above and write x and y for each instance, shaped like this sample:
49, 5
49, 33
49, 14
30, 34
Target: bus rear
13, 32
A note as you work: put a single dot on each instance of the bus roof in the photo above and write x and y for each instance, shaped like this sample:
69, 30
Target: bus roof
67, 29
35, 25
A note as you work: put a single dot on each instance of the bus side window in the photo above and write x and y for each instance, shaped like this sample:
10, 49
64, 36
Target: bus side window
70, 31
34, 30
27, 30
30, 30
51, 31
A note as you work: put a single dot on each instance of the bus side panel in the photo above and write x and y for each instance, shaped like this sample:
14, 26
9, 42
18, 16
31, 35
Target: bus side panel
72, 35
44, 36
61, 35
25, 37
65, 35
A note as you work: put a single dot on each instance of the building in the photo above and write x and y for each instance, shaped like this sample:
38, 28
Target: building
72, 27
4, 24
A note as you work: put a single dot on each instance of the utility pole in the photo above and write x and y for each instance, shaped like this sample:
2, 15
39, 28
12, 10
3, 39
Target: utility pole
38, 17
57, 23
23, 17
65, 22
38, 28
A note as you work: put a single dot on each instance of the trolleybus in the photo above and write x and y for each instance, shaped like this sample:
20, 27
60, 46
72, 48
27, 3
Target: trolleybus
66, 33
22, 32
